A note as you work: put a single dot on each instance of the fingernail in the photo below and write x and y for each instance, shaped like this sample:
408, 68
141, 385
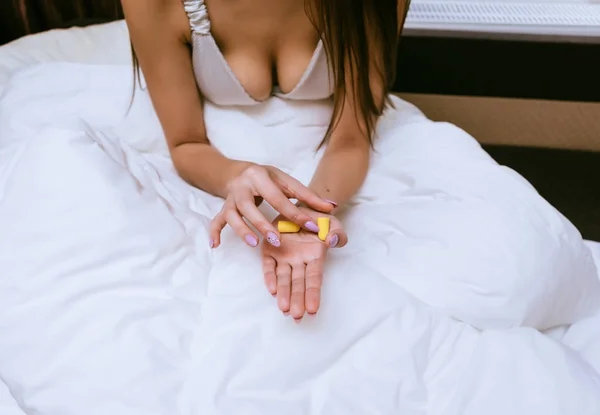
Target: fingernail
311, 226
297, 320
331, 202
334, 241
212, 243
273, 239
286, 313
251, 240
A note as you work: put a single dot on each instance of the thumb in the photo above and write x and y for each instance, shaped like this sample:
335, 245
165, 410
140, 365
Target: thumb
337, 237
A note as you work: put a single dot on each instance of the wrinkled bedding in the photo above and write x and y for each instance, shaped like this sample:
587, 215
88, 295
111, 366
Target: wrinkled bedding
97, 44
461, 291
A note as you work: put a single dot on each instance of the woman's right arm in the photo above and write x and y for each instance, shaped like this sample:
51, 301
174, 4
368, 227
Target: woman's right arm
158, 33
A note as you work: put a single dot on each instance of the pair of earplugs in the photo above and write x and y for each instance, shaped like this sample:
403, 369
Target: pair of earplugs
284, 226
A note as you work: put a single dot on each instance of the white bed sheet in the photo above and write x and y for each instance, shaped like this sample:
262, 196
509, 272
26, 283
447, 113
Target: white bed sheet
108, 44
105, 43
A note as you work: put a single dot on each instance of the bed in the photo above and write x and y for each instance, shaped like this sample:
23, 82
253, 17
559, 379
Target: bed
108, 44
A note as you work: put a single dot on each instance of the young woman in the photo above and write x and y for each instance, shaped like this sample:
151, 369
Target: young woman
241, 53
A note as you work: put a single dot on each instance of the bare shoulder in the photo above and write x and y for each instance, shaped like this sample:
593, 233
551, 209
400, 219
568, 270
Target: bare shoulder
160, 35
160, 16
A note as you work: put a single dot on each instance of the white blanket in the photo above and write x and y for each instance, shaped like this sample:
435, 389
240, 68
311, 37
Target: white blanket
112, 303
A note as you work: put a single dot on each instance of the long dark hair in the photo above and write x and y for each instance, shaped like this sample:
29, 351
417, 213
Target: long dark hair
361, 39
358, 35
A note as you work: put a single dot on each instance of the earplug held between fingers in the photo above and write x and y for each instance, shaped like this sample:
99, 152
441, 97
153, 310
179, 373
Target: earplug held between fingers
284, 226
323, 224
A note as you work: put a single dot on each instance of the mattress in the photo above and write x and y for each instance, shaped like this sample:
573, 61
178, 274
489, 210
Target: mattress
108, 44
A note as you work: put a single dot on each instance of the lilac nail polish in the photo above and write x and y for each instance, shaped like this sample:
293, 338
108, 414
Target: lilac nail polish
311, 226
297, 320
273, 239
334, 241
331, 202
212, 243
251, 240
286, 313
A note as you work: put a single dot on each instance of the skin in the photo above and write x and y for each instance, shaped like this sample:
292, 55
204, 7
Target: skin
265, 42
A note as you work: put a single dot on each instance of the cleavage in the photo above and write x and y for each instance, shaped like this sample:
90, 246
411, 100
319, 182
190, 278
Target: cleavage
259, 53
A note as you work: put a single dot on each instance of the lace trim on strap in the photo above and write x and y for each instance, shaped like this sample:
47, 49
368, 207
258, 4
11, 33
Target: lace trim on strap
198, 15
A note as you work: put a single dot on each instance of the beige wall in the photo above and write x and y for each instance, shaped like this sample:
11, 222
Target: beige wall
520, 122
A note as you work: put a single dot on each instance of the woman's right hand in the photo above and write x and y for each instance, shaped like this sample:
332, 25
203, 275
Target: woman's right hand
256, 182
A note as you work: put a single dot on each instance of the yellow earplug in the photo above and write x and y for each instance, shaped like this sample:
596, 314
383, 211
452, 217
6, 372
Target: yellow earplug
284, 226
323, 224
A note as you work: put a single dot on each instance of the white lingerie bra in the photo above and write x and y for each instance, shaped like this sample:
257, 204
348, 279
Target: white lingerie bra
218, 83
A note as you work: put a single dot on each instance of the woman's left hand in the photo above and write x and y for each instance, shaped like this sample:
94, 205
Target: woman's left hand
293, 272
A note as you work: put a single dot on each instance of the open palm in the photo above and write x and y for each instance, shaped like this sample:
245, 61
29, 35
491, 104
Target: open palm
294, 272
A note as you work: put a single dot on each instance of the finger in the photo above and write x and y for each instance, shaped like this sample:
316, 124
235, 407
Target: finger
249, 210
240, 227
294, 189
337, 237
297, 308
215, 229
271, 192
284, 281
269, 265
314, 282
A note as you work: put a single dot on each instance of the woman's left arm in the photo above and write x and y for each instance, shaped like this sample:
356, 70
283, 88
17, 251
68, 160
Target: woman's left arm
345, 163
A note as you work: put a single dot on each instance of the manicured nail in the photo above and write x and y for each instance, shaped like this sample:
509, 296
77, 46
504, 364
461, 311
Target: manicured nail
331, 202
311, 226
251, 240
297, 320
286, 313
273, 239
212, 243
334, 241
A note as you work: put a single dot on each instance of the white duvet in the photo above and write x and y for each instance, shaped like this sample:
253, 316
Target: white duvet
111, 302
